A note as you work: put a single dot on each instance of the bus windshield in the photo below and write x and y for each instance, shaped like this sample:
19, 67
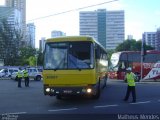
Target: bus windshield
114, 61
68, 55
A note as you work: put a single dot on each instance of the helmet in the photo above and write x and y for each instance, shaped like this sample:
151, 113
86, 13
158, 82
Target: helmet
129, 69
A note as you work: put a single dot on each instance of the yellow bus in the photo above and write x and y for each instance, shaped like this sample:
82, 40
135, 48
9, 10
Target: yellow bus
74, 65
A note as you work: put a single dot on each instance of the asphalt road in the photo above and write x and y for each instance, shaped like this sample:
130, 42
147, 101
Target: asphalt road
27, 102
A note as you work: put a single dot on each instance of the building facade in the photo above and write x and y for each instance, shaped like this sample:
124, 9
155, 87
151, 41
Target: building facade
158, 39
30, 37
149, 38
56, 33
42, 44
107, 27
20, 5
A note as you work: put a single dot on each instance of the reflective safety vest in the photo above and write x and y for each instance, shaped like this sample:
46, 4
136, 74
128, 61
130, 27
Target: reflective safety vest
130, 79
19, 74
25, 73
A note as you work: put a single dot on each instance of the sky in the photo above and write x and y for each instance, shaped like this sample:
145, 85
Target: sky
140, 15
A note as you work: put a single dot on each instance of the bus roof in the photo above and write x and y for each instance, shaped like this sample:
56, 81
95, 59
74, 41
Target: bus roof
74, 38
70, 38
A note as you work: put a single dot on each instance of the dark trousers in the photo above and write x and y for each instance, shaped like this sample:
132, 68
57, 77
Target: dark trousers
26, 80
129, 90
19, 81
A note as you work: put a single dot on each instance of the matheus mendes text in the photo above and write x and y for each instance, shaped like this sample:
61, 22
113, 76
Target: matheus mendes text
138, 117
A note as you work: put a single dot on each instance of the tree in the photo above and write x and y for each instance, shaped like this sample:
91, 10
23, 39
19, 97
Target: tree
26, 55
10, 38
32, 61
40, 58
132, 45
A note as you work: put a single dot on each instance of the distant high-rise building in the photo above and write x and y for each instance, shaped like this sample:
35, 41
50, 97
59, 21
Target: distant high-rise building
149, 38
105, 26
158, 39
42, 44
20, 5
56, 33
30, 35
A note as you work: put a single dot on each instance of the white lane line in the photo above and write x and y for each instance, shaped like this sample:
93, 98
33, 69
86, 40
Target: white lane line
16, 113
106, 106
141, 102
56, 110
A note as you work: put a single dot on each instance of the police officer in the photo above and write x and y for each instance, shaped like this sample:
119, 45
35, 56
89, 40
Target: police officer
130, 77
19, 76
26, 77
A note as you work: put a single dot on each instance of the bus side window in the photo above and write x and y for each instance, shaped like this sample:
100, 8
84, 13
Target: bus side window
97, 52
123, 65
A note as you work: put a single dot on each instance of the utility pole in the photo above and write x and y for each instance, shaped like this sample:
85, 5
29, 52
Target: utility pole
142, 55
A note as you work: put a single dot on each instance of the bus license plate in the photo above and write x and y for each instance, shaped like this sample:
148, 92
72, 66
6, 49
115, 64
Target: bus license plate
67, 91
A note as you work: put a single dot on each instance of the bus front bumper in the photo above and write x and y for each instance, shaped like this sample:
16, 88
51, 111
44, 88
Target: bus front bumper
53, 91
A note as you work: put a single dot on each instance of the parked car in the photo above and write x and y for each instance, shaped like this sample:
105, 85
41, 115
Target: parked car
34, 73
7, 72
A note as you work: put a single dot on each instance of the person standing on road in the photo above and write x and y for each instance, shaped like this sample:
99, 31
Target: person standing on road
130, 77
26, 77
19, 76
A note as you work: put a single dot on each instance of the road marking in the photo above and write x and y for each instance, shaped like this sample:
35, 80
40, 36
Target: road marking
141, 102
106, 106
16, 113
56, 110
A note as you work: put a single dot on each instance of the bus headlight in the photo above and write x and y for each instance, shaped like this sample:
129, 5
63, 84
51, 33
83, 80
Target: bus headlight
48, 89
89, 90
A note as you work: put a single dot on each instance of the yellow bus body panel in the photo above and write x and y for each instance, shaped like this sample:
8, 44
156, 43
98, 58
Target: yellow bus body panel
69, 77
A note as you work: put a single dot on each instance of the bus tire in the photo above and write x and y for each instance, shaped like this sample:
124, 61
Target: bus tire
98, 92
38, 78
105, 82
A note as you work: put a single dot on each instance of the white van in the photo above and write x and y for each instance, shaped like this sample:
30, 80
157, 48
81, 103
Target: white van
7, 72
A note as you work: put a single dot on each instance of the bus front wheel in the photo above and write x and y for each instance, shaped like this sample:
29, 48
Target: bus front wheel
97, 93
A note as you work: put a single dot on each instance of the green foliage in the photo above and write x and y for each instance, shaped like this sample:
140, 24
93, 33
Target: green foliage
32, 61
24, 55
40, 58
31, 56
10, 37
132, 45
